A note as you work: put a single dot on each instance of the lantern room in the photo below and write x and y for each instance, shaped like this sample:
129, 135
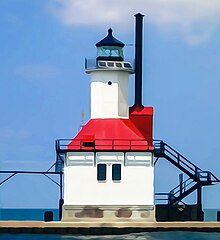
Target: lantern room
110, 48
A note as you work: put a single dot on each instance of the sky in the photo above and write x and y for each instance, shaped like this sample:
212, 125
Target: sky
44, 88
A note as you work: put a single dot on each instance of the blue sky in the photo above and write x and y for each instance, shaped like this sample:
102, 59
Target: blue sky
44, 89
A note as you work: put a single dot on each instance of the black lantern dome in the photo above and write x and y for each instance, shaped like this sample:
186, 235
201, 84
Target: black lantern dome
110, 48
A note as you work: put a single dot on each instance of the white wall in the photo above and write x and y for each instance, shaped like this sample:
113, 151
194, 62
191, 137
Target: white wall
109, 101
136, 187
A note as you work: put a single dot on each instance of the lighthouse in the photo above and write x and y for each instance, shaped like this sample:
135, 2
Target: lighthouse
108, 165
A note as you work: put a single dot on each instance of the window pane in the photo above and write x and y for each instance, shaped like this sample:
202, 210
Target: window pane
127, 65
118, 65
110, 64
116, 171
102, 64
101, 172
114, 53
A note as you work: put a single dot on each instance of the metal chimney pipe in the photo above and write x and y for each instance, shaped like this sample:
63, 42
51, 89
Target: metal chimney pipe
138, 58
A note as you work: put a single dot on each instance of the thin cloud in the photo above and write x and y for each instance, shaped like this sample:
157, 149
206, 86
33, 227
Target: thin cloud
15, 134
25, 161
174, 16
13, 19
38, 71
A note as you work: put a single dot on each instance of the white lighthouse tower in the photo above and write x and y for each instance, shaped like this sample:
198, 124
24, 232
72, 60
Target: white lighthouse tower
108, 168
109, 80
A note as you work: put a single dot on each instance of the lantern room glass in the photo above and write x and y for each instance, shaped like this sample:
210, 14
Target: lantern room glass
110, 51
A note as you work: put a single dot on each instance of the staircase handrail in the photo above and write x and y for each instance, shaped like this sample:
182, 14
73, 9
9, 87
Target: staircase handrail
167, 150
184, 186
181, 159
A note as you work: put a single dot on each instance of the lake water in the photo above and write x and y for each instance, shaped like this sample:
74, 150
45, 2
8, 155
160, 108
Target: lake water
178, 235
38, 214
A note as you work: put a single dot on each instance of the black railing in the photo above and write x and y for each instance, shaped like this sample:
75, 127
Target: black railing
94, 63
67, 145
64, 145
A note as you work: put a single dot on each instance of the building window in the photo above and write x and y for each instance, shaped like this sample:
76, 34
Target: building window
116, 172
101, 172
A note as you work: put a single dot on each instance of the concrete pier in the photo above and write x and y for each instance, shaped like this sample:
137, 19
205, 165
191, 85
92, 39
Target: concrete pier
95, 228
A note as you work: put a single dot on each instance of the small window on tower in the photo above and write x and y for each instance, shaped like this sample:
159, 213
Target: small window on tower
102, 64
116, 172
127, 65
118, 65
101, 172
110, 64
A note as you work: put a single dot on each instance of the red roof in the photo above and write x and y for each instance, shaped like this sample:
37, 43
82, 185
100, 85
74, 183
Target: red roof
116, 134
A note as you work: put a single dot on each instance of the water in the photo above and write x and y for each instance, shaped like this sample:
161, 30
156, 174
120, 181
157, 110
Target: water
211, 215
26, 214
178, 235
38, 214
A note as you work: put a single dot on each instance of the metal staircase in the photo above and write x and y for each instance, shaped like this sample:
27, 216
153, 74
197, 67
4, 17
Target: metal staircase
197, 177
60, 157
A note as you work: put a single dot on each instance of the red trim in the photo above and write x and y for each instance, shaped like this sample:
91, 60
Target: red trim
142, 117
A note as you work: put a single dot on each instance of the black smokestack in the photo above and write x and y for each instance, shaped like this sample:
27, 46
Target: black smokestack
138, 59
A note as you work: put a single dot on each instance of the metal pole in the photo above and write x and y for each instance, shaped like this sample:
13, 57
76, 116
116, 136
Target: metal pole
199, 203
61, 196
138, 58
181, 183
